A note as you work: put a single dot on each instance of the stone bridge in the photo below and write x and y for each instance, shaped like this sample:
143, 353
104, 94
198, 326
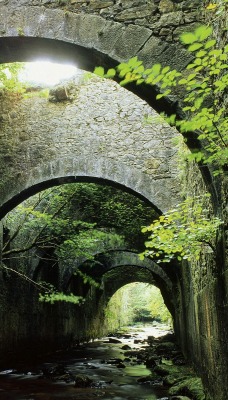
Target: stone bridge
98, 133
95, 33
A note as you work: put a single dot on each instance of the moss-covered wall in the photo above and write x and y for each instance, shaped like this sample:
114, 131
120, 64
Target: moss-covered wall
201, 319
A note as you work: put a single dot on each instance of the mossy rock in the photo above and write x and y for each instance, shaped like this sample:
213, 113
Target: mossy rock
173, 379
166, 346
82, 381
189, 387
164, 369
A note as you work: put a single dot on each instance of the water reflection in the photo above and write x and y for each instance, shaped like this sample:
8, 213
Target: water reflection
114, 375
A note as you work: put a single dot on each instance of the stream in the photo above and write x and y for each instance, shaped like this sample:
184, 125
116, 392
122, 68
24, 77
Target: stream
108, 368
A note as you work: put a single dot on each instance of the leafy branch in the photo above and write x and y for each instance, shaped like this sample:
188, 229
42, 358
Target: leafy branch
181, 232
204, 84
53, 297
38, 220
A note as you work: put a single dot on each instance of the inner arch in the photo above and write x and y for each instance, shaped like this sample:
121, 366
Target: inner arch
94, 170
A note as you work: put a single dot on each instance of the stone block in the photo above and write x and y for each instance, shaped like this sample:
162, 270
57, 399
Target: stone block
131, 41
97, 5
166, 6
170, 19
151, 51
136, 12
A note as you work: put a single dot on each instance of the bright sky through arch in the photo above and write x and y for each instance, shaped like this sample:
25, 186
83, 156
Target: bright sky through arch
46, 73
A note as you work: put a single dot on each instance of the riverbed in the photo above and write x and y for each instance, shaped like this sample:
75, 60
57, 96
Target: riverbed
108, 368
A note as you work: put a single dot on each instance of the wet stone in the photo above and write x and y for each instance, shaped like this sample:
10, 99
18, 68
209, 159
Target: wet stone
150, 362
82, 381
121, 365
113, 340
126, 347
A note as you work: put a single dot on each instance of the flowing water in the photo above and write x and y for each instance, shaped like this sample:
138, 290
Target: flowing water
113, 374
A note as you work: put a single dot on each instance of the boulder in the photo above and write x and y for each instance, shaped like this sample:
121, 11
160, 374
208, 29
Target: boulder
82, 381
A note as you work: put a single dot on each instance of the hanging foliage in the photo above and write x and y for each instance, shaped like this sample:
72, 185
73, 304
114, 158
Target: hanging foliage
181, 233
204, 84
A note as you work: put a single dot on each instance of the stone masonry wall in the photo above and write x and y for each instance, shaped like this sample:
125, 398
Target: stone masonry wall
119, 29
203, 323
96, 129
165, 18
203, 303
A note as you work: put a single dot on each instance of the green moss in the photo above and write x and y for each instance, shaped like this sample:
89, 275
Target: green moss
171, 370
173, 379
190, 387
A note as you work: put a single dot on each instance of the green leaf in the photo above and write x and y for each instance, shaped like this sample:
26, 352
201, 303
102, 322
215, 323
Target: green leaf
182, 81
124, 82
139, 70
195, 46
191, 76
99, 71
134, 62
165, 70
110, 73
210, 43
190, 66
188, 38
203, 32
215, 52
156, 69
223, 57
158, 79
201, 53
124, 72
122, 66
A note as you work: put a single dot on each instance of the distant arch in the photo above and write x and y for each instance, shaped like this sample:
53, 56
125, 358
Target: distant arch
118, 261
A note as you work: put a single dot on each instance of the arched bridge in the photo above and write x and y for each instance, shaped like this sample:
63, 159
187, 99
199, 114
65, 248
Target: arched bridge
98, 133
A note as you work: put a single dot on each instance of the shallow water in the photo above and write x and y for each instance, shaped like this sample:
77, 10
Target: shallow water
97, 361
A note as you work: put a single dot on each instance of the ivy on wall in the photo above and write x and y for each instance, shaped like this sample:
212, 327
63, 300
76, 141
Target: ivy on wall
204, 83
181, 232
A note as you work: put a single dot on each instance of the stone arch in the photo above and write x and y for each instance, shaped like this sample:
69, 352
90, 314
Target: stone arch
120, 258
100, 132
118, 261
91, 36
87, 39
123, 275
94, 170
